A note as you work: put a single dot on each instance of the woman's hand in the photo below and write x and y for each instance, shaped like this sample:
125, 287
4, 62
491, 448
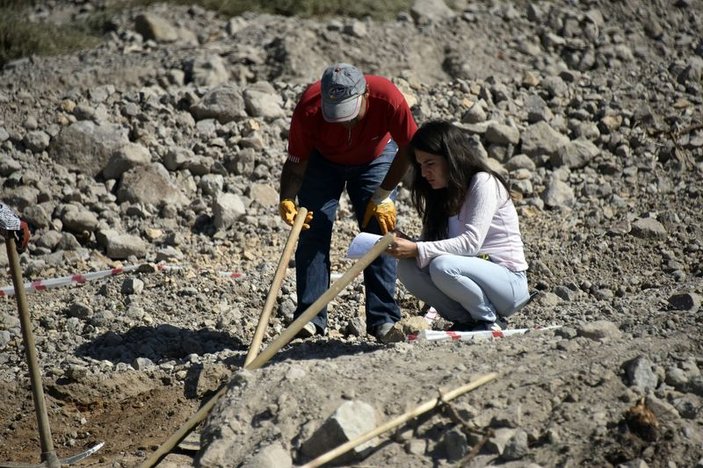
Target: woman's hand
402, 248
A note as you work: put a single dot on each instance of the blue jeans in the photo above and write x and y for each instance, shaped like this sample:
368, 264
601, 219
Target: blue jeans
465, 289
322, 187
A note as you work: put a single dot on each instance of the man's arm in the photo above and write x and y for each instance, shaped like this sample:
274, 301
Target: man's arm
381, 205
397, 171
292, 179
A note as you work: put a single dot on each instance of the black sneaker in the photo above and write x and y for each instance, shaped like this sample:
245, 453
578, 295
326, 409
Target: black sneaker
462, 326
488, 326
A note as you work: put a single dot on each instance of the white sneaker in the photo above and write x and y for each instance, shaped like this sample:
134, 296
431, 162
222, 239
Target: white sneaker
431, 315
309, 330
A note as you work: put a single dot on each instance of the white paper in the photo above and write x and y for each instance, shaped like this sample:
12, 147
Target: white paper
362, 243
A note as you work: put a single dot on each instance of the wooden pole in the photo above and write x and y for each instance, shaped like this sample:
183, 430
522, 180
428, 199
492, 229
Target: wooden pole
285, 337
423, 408
293, 329
48, 455
275, 285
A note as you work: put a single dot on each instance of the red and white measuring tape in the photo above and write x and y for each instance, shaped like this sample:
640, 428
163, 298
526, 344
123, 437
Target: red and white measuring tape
438, 335
80, 278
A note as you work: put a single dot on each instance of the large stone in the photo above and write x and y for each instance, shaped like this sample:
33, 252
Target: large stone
149, 185
349, 421
49, 240
431, 11
7, 164
497, 443
271, 456
558, 194
80, 220
21, 197
156, 28
125, 158
262, 100
599, 330
86, 147
455, 445
575, 154
206, 71
227, 209
648, 228
689, 301
502, 134
541, 139
517, 446
537, 109
263, 194
177, 158
37, 216
119, 246
36, 141
224, 103
640, 374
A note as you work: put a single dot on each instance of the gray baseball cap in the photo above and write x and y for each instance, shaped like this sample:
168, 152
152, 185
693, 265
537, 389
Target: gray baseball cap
343, 85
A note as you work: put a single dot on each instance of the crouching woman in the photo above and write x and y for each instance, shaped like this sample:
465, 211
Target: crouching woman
470, 264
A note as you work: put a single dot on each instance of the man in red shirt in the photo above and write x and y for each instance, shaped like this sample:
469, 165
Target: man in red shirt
348, 130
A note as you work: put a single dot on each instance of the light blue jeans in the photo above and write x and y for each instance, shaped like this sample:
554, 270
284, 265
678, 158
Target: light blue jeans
464, 289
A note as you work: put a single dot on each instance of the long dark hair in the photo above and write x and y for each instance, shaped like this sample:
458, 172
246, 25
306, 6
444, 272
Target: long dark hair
434, 207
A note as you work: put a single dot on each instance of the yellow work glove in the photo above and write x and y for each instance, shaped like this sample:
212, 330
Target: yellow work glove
289, 211
381, 207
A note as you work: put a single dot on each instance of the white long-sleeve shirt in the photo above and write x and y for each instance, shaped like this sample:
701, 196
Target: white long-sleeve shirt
486, 224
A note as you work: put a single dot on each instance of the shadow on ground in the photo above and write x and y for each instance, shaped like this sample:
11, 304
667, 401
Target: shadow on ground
301, 350
157, 344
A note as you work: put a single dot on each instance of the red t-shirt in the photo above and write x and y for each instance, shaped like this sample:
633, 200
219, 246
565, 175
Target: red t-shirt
388, 115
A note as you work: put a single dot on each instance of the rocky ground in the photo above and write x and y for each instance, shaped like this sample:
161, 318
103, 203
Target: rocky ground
163, 146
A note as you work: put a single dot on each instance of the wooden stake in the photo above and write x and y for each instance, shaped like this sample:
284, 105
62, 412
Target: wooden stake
48, 454
275, 285
293, 329
423, 408
285, 337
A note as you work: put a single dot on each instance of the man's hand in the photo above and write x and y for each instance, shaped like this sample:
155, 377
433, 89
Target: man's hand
22, 236
381, 207
289, 211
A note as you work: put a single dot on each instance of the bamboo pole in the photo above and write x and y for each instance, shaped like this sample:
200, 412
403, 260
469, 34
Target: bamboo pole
275, 285
285, 337
423, 408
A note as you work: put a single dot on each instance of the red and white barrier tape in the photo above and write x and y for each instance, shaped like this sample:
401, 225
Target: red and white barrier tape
80, 278
437, 335
231, 274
